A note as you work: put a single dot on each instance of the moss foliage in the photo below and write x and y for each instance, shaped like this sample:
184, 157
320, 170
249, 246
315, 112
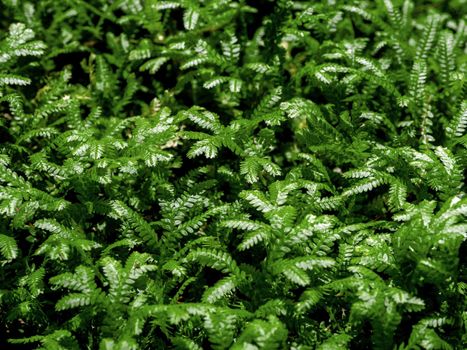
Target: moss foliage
220, 174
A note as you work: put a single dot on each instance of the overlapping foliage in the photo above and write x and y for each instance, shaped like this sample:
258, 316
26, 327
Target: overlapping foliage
233, 174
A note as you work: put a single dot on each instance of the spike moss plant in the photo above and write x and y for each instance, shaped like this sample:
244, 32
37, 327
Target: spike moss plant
233, 174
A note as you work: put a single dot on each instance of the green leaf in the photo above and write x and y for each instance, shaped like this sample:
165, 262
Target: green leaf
8, 247
190, 18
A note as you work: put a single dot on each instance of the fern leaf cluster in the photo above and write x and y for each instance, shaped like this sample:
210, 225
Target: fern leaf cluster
233, 174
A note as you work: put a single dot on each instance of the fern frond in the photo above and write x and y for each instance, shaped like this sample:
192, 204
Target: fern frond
220, 290
458, 124
8, 247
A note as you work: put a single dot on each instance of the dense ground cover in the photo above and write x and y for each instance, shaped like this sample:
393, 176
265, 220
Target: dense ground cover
213, 174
